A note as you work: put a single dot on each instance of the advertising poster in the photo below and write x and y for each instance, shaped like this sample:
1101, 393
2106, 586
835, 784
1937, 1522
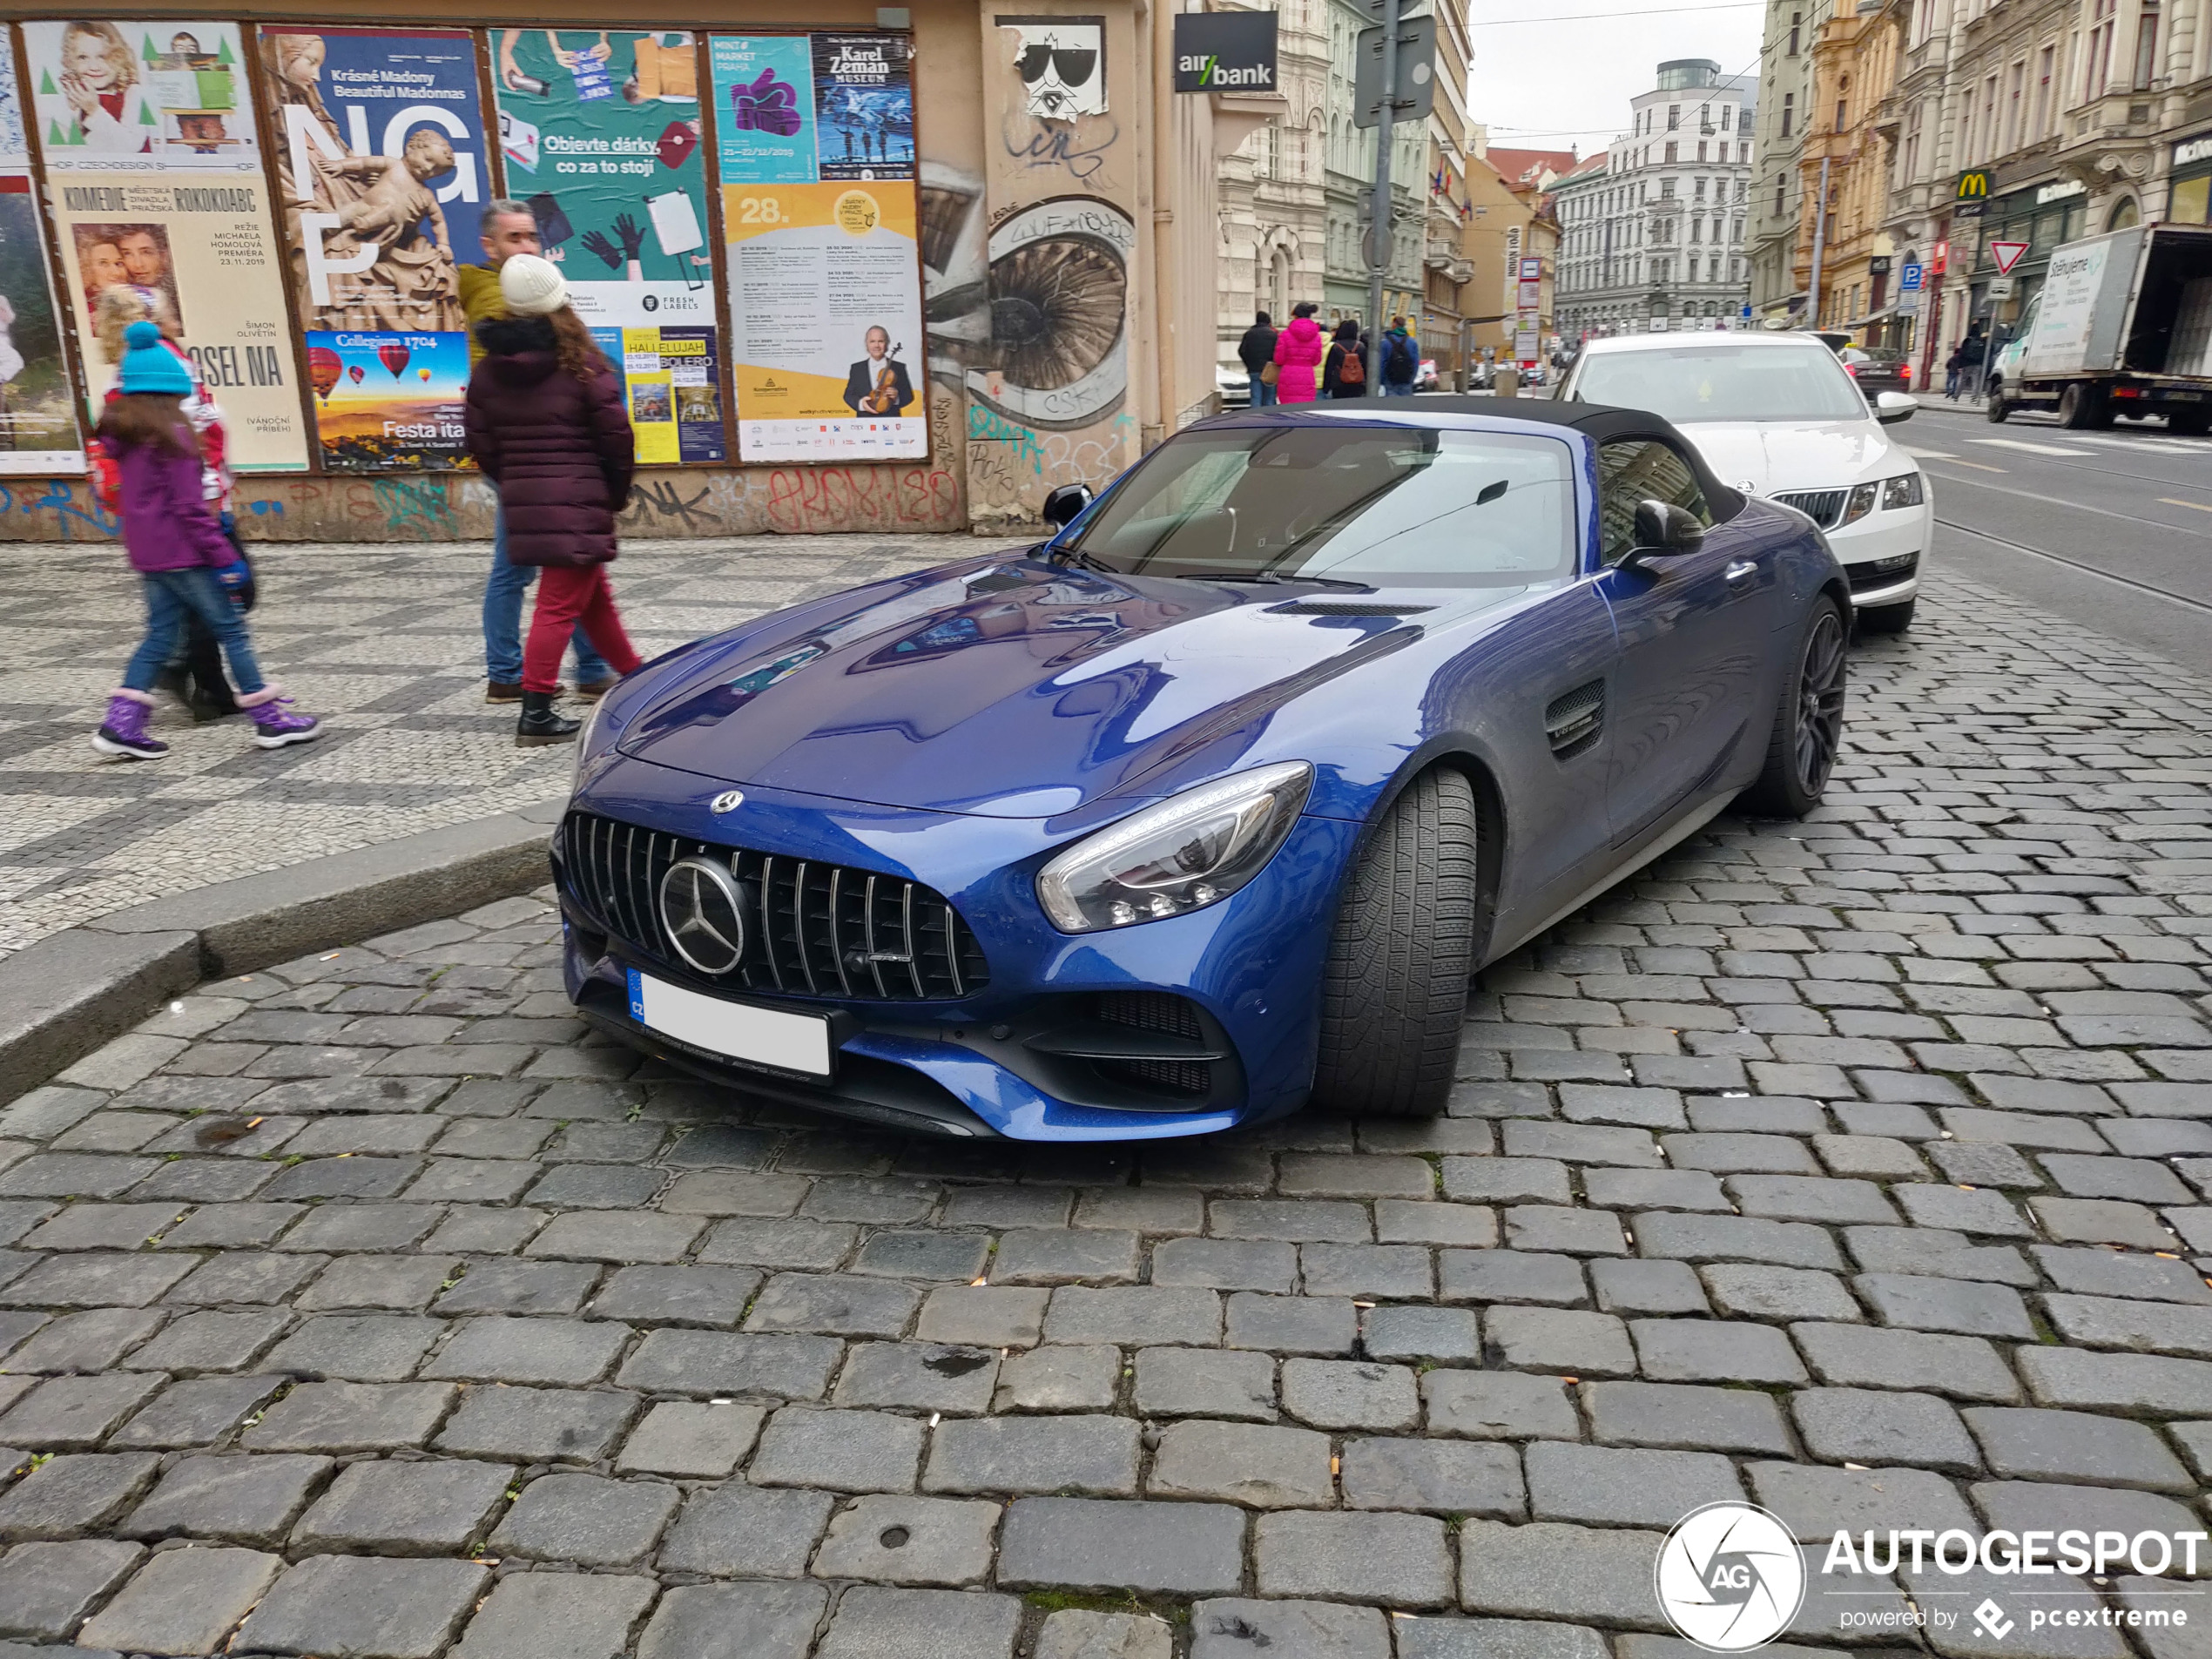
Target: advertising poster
764, 98
825, 305
381, 169
153, 176
864, 106
38, 430
600, 133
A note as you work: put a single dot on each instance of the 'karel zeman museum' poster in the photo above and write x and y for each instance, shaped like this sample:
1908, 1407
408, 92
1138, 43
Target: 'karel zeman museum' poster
600, 133
825, 282
153, 174
381, 169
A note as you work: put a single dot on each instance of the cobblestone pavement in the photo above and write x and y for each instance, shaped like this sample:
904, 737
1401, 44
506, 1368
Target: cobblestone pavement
365, 1307
384, 641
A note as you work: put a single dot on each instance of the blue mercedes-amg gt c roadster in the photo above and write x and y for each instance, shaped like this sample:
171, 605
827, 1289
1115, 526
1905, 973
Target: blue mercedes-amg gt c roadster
1211, 804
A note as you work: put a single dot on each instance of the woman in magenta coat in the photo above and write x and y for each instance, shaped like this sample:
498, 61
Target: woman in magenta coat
1297, 354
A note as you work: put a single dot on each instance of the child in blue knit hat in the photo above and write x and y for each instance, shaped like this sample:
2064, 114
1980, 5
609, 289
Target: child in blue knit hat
179, 552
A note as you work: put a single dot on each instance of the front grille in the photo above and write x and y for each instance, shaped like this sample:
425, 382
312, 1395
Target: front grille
811, 929
1883, 573
1170, 1016
1824, 507
1193, 1077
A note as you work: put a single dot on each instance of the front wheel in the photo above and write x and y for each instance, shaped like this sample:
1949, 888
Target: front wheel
1807, 720
1996, 408
1394, 995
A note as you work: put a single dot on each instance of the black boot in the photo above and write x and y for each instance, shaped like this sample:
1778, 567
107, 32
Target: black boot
540, 725
209, 695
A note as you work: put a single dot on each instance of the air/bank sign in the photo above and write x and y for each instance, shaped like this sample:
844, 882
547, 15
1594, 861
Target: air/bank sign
1224, 51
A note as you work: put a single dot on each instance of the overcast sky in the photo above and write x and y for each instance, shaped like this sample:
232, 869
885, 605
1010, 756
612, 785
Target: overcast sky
1547, 86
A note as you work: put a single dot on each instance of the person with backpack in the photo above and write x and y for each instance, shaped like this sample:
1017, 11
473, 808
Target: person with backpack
186, 564
545, 423
1297, 354
1342, 373
1401, 363
1256, 351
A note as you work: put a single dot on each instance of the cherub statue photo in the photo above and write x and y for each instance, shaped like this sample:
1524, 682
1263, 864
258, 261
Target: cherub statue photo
397, 199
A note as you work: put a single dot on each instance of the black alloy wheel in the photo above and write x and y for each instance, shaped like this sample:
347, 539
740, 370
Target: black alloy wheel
1808, 729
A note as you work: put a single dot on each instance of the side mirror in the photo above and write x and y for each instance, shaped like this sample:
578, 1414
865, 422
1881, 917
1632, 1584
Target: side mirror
1064, 505
1663, 532
1890, 408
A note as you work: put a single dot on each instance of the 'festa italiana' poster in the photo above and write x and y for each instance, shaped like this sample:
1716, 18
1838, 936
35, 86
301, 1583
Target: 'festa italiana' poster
381, 169
825, 278
153, 174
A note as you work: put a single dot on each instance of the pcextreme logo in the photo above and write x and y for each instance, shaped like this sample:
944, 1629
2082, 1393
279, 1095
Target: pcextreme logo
1729, 1578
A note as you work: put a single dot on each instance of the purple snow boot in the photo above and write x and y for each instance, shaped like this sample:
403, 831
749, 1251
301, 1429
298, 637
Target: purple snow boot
275, 725
124, 732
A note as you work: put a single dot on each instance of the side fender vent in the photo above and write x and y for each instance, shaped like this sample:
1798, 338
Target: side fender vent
1574, 721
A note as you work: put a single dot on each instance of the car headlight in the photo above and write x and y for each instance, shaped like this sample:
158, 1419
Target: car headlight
1904, 490
1861, 503
1190, 850
583, 742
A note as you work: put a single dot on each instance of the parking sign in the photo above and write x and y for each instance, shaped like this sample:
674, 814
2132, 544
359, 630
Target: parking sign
1908, 280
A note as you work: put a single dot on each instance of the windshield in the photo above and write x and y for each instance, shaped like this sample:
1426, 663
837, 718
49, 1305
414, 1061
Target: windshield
1722, 382
1358, 503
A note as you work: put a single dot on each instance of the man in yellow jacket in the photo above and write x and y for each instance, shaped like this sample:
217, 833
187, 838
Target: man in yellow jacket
509, 228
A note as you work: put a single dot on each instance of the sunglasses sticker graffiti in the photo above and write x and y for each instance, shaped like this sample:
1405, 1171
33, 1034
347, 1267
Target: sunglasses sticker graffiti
1062, 64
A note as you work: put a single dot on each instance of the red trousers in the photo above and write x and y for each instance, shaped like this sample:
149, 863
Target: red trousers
569, 595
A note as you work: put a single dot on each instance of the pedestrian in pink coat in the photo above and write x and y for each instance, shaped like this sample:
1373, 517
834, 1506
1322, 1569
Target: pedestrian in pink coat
1297, 354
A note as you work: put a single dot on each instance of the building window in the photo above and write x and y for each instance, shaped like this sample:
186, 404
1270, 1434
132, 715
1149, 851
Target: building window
1788, 108
1697, 189
2044, 64
2099, 59
1743, 152
1842, 123
1667, 187
1796, 18
1779, 187
2015, 86
1701, 149
1727, 110
1671, 149
1674, 116
2146, 45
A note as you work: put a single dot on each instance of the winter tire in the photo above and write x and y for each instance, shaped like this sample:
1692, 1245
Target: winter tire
1995, 408
1807, 720
1394, 995
2082, 405
1887, 619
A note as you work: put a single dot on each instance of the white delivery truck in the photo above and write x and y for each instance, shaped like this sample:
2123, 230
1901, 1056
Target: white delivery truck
2122, 326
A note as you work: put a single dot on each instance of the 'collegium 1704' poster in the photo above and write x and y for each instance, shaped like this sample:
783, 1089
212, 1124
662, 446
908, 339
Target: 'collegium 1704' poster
153, 176
599, 131
381, 163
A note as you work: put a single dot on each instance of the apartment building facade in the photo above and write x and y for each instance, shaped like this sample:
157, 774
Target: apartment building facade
1844, 166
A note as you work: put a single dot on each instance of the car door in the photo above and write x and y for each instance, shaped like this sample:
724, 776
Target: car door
1693, 630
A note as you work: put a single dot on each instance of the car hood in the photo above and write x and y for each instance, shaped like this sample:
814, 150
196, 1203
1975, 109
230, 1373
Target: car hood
1761, 457
1006, 688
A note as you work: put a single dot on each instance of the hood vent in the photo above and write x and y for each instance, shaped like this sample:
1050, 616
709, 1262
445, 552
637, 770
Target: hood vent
1347, 607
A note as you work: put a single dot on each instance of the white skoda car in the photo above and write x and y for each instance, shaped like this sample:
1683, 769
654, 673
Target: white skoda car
1777, 416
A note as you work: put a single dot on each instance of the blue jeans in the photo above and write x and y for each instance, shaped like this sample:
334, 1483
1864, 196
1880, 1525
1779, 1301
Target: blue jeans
1398, 388
1263, 393
503, 594
171, 596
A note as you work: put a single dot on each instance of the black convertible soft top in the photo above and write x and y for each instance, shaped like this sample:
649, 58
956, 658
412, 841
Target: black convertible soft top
1603, 422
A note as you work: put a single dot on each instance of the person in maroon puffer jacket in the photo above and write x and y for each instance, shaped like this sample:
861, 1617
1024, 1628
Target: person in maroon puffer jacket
546, 423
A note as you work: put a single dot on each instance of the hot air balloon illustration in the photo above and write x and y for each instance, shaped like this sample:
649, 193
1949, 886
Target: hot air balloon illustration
355, 372
324, 367
394, 354
425, 374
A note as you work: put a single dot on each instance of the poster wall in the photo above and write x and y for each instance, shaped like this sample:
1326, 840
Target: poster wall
38, 428
380, 165
824, 270
600, 132
153, 176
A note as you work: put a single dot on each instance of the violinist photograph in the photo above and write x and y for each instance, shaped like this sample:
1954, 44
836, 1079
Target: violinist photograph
877, 383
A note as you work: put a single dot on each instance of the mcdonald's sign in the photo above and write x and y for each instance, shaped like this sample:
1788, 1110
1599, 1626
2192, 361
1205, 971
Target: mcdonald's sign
1973, 187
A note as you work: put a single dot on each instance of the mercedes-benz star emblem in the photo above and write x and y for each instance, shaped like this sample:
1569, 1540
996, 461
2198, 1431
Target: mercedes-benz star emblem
728, 801
704, 913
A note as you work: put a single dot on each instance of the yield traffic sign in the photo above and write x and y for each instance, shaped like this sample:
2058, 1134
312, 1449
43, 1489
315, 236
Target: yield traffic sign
2006, 254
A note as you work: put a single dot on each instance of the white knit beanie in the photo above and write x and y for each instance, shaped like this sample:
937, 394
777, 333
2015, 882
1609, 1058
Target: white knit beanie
532, 286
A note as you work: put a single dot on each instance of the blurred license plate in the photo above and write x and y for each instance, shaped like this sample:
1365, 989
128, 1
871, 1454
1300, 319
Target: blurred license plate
738, 1030
2185, 397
